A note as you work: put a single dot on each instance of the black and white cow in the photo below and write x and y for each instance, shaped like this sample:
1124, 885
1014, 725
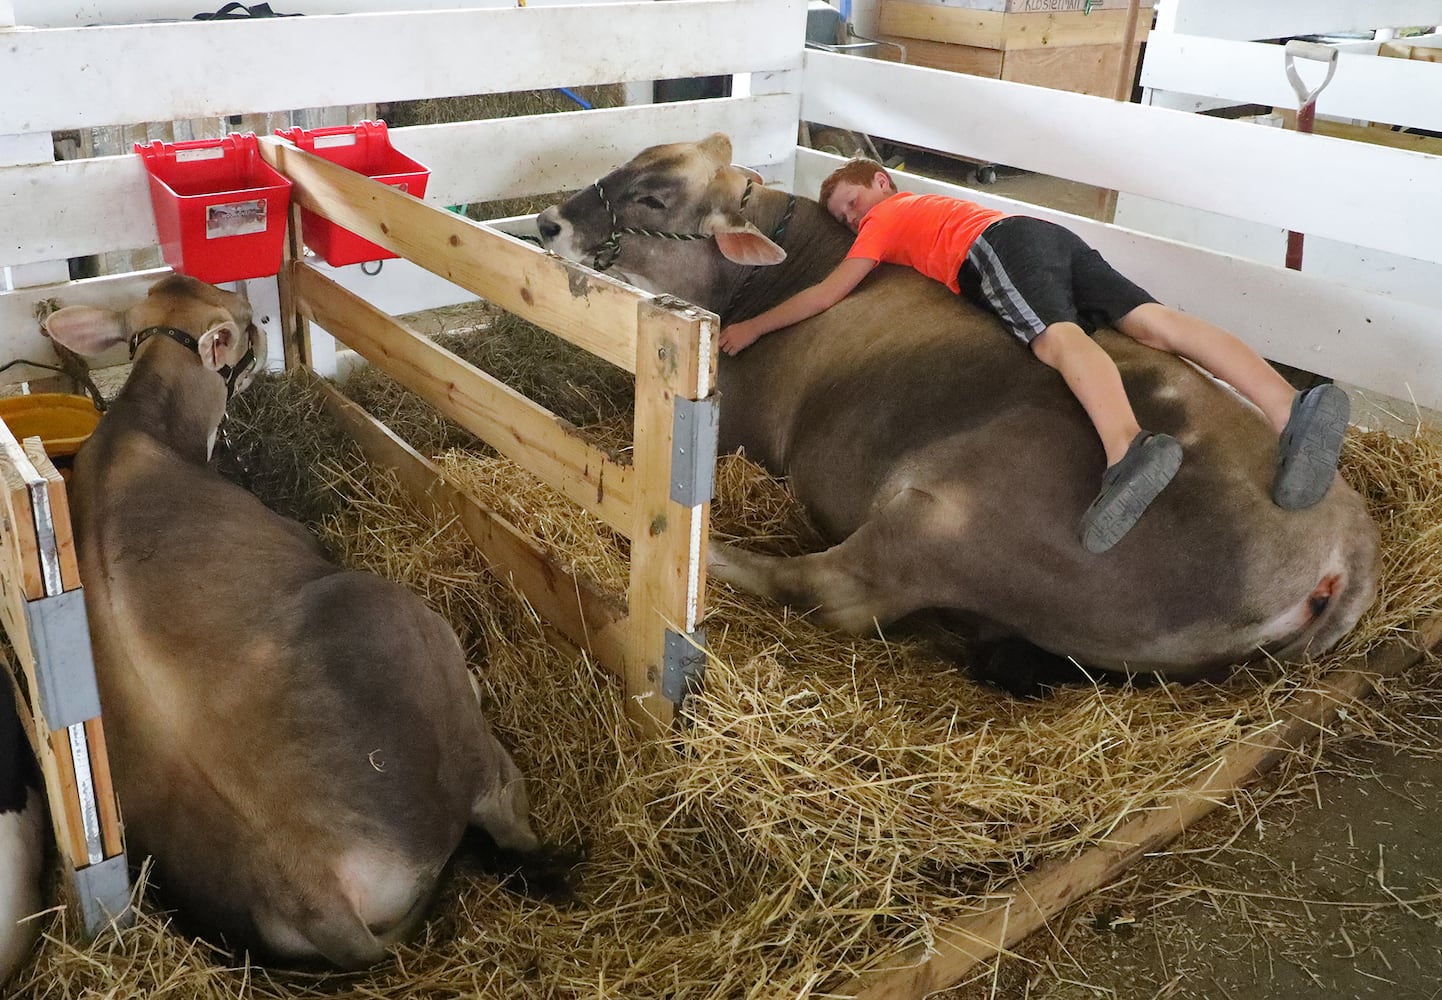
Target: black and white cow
22, 838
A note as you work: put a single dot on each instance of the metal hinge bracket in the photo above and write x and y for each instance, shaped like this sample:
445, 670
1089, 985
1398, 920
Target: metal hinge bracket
693, 451
684, 665
65, 665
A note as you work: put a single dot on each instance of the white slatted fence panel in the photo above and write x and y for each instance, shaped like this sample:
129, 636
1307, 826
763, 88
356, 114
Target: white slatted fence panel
1311, 184
60, 78
103, 204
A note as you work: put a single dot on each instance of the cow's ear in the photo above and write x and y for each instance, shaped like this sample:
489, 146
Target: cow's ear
221, 345
86, 330
742, 243
716, 147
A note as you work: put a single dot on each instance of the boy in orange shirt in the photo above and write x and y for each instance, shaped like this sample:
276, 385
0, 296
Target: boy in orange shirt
1044, 283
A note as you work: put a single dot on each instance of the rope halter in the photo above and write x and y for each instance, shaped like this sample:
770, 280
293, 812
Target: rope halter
610, 248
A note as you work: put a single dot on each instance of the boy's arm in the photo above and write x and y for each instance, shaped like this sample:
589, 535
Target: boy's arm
803, 305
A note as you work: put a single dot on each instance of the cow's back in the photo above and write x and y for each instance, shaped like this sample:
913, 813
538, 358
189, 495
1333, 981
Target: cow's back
268, 711
899, 364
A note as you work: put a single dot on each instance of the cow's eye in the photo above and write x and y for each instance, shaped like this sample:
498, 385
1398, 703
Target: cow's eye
651, 201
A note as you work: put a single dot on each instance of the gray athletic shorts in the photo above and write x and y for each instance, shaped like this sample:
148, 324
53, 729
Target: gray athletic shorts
1033, 273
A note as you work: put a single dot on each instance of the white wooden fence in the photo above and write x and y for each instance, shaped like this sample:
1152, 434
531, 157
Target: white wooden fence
64, 74
1205, 54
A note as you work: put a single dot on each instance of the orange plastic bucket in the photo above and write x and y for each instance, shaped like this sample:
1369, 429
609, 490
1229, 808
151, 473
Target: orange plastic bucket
61, 420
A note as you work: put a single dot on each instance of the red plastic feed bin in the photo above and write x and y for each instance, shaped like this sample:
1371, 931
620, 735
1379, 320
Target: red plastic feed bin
219, 208
366, 149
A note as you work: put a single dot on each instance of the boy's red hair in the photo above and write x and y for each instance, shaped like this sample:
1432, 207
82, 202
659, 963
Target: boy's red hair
859, 170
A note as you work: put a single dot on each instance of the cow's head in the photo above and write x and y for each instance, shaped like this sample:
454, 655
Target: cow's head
219, 323
668, 221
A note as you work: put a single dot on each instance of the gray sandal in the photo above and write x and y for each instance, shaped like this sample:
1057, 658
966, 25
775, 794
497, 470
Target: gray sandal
1128, 488
1310, 446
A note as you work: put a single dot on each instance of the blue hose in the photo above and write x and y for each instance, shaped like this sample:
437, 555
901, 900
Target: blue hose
576, 97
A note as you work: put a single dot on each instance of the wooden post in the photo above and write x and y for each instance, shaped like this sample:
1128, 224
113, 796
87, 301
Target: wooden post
675, 366
1126, 74
43, 613
294, 327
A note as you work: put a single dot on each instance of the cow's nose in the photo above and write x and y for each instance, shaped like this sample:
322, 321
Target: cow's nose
549, 228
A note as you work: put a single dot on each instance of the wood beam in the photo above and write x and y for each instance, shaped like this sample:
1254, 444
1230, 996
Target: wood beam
590, 310
522, 430
576, 606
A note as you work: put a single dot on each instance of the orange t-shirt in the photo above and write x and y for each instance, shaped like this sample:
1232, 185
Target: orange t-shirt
929, 232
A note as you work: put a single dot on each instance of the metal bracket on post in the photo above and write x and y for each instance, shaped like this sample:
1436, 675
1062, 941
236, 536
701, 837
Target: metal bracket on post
60, 637
693, 451
684, 664
103, 894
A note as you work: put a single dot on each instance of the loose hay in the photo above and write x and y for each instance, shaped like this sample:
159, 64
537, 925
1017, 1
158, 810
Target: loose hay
829, 801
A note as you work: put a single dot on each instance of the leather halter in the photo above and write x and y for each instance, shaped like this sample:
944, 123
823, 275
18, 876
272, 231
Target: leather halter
231, 373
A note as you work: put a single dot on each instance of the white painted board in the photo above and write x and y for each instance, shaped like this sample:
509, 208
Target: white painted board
1249, 19
1389, 274
53, 14
1367, 87
1310, 183
58, 78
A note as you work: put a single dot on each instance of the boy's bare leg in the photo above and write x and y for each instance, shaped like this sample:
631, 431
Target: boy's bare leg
1312, 425
1093, 378
1139, 465
1216, 351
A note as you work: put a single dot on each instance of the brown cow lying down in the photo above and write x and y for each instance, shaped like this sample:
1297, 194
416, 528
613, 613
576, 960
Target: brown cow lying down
950, 467
300, 748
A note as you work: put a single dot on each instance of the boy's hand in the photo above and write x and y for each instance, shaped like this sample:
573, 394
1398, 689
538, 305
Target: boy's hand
737, 337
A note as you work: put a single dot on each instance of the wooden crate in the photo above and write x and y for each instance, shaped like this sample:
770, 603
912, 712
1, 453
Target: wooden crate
1076, 45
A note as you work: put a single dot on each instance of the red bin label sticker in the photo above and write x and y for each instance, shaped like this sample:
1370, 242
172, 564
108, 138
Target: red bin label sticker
235, 218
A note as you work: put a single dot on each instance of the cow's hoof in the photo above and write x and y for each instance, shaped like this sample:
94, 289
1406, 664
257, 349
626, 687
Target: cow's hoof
549, 874
1128, 488
1310, 446
1023, 670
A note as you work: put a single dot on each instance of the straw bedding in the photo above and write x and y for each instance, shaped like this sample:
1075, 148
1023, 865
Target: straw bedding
829, 801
